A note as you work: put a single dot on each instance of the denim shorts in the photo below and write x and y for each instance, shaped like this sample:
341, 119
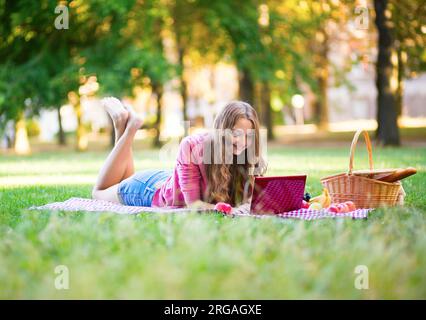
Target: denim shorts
139, 189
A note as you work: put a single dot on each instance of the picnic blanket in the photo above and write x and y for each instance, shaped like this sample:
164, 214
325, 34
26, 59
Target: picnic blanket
81, 204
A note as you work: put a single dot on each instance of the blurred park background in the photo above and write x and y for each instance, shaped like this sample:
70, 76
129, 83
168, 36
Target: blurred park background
310, 68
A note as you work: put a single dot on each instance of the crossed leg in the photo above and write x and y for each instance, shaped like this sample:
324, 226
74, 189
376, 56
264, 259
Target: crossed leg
119, 163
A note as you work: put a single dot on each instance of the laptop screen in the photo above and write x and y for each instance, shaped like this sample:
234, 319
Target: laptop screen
272, 195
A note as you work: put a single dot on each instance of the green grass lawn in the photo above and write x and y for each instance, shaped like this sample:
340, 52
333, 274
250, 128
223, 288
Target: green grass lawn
209, 256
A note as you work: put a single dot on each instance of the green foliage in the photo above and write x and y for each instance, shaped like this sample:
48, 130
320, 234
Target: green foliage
44, 64
129, 53
248, 41
39, 62
410, 39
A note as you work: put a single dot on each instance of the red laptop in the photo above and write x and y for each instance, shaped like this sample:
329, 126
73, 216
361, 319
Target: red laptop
272, 195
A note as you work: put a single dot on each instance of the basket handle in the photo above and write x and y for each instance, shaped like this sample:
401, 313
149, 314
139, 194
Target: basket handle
353, 145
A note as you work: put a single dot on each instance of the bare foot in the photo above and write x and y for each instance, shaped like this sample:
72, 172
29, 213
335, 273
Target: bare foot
135, 121
118, 114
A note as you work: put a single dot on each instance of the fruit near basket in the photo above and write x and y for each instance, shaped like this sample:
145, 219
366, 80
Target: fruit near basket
365, 190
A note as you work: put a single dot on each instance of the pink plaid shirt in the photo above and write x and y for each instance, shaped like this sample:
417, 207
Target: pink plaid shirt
189, 180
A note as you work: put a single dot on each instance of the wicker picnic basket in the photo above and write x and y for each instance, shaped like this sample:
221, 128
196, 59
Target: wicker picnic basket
363, 191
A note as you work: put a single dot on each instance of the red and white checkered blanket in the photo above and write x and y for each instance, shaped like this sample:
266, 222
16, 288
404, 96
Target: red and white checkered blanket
81, 204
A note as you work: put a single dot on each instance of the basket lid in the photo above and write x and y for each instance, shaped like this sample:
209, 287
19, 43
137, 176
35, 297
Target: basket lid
375, 171
374, 174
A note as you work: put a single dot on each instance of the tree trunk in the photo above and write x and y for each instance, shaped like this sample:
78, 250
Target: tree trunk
158, 90
265, 94
400, 88
9, 141
180, 48
81, 137
10, 134
387, 130
22, 144
321, 104
61, 133
246, 87
322, 111
82, 141
183, 84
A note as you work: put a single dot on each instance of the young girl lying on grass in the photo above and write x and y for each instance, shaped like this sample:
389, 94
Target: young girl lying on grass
211, 167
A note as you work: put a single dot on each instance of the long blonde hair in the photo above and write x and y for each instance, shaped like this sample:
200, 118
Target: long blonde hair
232, 182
